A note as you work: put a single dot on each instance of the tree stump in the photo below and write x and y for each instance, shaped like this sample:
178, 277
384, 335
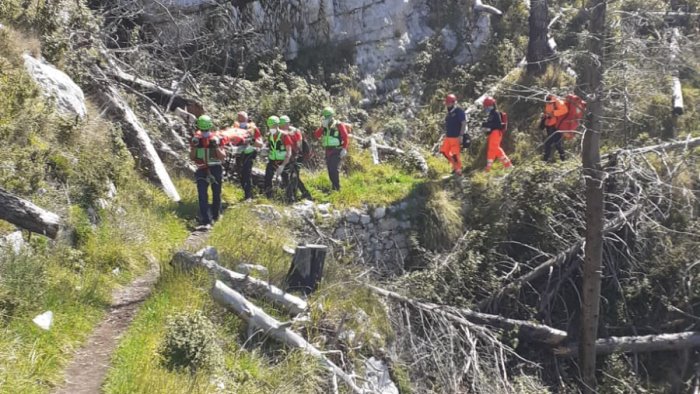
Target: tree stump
307, 268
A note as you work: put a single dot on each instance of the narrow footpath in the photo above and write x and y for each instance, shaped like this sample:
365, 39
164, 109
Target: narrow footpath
87, 372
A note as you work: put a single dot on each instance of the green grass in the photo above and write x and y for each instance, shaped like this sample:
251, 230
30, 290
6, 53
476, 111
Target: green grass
362, 182
75, 284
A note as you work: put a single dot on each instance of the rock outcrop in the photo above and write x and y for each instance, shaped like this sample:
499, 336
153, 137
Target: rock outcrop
54, 83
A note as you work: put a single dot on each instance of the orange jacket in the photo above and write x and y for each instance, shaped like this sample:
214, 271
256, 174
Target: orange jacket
554, 111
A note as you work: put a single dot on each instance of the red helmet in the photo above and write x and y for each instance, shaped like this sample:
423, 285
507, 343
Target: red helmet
450, 99
489, 101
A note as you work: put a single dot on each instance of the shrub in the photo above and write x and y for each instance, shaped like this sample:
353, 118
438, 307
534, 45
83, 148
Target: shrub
395, 128
190, 343
440, 219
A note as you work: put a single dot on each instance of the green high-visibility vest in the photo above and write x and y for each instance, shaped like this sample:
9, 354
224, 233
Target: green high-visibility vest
278, 152
331, 136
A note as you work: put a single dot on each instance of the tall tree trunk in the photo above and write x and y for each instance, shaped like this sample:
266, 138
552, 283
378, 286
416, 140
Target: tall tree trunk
593, 172
538, 49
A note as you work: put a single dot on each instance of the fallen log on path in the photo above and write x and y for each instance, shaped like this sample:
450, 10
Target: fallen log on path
247, 284
260, 320
28, 216
479, 6
556, 261
137, 139
526, 330
638, 344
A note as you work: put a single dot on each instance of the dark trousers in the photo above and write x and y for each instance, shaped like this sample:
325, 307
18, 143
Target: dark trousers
333, 164
554, 140
295, 182
244, 164
270, 173
211, 176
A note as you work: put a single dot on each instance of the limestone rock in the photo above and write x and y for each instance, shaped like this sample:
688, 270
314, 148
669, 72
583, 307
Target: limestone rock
55, 83
379, 213
365, 219
13, 241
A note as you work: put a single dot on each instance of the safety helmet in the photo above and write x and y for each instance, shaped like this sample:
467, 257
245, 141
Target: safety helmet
284, 120
273, 121
450, 99
242, 115
489, 102
204, 123
328, 112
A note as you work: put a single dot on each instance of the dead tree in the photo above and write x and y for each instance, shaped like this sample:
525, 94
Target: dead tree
243, 282
28, 216
259, 320
593, 173
638, 344
136, 137
677, 92
538, 47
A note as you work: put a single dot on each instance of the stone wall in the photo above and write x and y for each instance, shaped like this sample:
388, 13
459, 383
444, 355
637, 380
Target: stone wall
380, 234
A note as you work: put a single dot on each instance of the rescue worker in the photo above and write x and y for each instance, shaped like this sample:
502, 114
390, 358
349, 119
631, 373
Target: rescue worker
279, 154
298, 151
455, 129
245, 160
334, 138
207, 151
494, 128
555, 111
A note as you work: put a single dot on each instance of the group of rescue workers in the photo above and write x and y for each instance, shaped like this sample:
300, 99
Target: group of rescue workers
559, 119
286, 148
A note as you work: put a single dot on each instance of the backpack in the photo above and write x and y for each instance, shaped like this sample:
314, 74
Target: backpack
504, 121
577, 109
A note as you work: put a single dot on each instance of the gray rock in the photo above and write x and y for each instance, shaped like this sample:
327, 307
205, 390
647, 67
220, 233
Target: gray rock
324, 209
102, 203
267, 213
341, 233
209, 253
353, 216
13, 241
365, 219
449, 39
347, 336
55, 83
377, 378
379, 213
405, 225
388, 224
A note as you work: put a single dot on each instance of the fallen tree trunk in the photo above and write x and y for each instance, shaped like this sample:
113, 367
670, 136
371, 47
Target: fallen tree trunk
166, 97
526, 330
556, 261
676, 91
638, 344
245, 283
137, 139
413, 154
257, 318
28, 216
689, 143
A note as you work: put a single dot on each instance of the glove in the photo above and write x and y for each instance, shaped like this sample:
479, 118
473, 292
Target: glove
278, 173
343, 153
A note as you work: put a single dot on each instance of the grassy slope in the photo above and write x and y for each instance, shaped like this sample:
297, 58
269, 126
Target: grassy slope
51, 161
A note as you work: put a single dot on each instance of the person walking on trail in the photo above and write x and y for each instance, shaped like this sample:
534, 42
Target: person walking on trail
555, 111
455, 129
334, 138
299, 149
207, 151
279, 155
495, 127
246, 159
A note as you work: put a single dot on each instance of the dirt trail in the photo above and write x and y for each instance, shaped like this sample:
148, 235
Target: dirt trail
86, 373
